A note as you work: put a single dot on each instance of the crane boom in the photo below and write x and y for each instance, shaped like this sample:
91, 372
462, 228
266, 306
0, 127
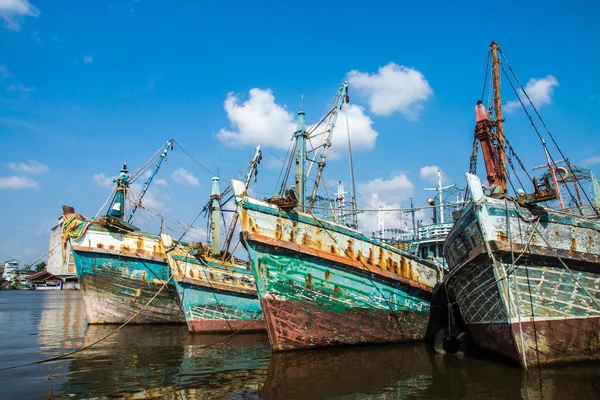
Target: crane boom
340, 98
161, 158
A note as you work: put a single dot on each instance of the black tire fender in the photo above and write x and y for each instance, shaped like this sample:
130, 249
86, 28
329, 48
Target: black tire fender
452, 341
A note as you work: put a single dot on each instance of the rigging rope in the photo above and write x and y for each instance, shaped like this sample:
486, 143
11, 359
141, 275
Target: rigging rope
287, 154
145, 167
355, 216
538, 133
288, 169
193, 159
487, 68
576, 181
61, 356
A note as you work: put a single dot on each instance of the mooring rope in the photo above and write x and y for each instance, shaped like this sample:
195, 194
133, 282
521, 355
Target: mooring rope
61, 356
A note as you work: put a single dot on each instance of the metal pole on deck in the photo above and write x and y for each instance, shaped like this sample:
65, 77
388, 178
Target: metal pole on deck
215, 226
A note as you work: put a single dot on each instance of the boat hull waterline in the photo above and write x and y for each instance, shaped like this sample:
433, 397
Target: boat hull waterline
321, 284
216, 296
120, 273
537, 311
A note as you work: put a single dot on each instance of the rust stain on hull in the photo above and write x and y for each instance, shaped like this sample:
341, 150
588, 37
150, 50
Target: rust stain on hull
298, 325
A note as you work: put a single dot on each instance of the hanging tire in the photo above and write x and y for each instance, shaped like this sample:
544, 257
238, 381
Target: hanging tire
451, 341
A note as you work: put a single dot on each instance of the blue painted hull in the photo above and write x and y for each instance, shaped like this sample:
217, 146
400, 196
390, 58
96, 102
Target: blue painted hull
208, 310
312, 302
117, 287
217, 296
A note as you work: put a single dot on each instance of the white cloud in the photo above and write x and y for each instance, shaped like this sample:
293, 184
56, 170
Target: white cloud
261, 120
387, 194
430, 173
183, 176
17, 182
369, 221
540, 92
394, 88
396, 189
362, 134
36, 37
257, 120
88, 59
151, 198
156, 181
12, 11
104, 181
592, 160
4, 71
30, 167
17, 87
160, 182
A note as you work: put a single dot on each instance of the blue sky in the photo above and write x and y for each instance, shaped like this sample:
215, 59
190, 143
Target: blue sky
86, 85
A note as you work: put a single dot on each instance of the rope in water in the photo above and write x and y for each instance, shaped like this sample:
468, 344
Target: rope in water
59, 357
62, 356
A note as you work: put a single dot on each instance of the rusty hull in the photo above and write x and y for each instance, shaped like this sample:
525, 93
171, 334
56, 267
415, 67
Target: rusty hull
216, 295
534, 309
322, 284
120, 273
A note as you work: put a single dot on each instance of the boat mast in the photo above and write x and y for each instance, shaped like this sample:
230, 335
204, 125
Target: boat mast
492, 143
440, 190
300, 176
252, 171
117, 208
499, 120
162, 157
215, 225
340, 98
414, 219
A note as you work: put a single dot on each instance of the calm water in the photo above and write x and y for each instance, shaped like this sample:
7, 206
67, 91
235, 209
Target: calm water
166, 362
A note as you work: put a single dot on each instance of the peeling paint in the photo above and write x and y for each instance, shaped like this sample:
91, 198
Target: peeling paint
328, 290
536, 311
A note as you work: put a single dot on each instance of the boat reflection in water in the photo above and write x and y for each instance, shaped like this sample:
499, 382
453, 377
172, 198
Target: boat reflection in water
179, 366
152, 361
415, 371
397, 371
62, 323
165, 361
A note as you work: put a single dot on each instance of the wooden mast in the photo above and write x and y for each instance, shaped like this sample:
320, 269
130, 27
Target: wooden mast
492, 143
499, 120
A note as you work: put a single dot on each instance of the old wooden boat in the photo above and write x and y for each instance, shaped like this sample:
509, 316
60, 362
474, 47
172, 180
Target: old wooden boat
120, 272
525, 269
322, 283
216, 290
216, 295
120, 268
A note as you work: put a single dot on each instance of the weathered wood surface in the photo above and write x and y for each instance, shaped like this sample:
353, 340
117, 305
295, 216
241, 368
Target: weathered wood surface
217, 296
533, 310
322, 284
120, 273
